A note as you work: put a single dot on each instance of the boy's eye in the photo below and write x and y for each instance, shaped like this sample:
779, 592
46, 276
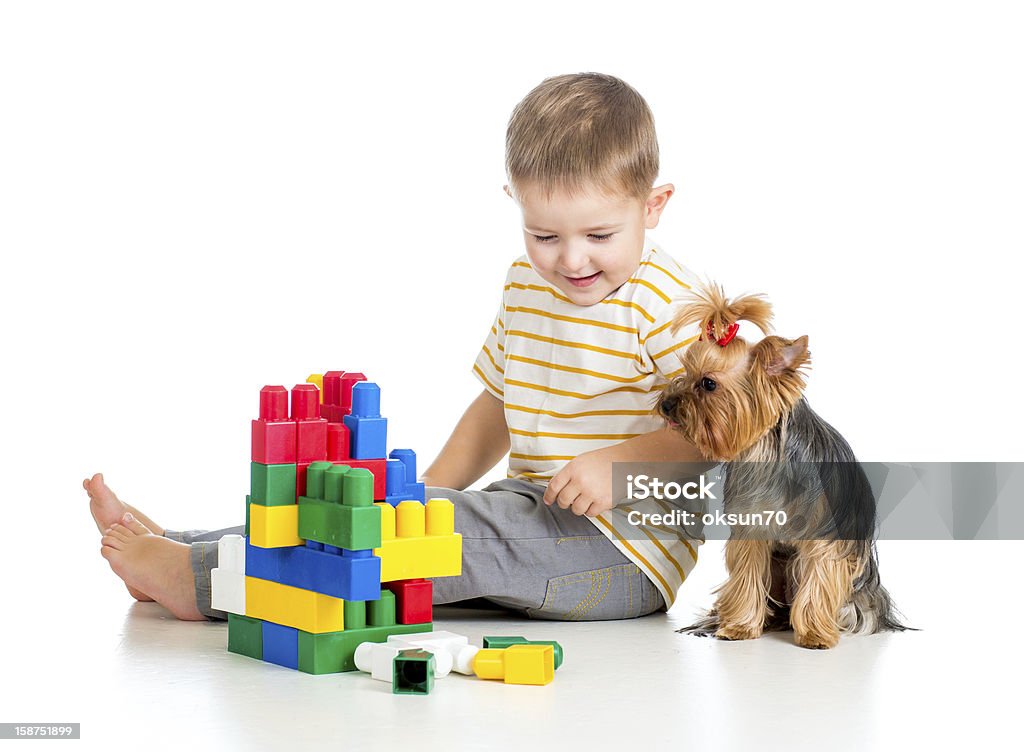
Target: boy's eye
547, 238
602, 237
543, 238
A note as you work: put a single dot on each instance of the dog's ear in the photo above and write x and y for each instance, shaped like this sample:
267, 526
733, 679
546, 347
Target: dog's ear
781, 355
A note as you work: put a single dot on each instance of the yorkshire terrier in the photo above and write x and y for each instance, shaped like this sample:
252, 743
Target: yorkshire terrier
743, 405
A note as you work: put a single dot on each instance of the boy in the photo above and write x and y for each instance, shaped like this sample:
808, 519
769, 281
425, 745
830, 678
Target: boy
576, 356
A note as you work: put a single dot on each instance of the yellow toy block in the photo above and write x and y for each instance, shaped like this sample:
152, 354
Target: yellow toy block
274, 527
293, 607
419, 541
318, 379
516, 664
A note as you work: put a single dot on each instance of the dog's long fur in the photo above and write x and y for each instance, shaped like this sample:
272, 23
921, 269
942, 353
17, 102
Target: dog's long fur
743, 404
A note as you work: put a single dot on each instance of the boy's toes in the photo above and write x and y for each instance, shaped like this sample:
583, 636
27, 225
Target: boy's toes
133, 524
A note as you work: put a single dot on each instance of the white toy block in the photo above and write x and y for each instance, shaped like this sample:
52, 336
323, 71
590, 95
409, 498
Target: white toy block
231, 554
228, 591
377, 659
455, 646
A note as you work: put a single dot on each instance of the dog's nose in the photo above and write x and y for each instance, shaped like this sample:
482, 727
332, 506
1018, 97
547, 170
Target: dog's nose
668, 406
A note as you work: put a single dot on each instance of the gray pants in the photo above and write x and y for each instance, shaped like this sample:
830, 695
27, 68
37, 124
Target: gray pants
517, 553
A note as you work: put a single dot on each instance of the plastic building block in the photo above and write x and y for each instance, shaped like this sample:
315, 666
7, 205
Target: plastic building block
273, 434
272, 485
345, 516
419, 541
247, 502
378, 468
245, 636
338, 441
293, 607
413, 600
504, 642
348, 381
227, 580
337, 394
317, 379
365, 424
455, 645
301, 469
394, 477
274, 527
413, 672
376, 659
408, 458
349, 575
280, 645
517, 664
334, 652
311, 429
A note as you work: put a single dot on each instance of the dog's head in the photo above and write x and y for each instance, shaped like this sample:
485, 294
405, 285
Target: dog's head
731, 393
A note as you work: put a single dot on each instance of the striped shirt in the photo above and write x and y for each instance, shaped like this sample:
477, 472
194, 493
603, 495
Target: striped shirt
576, 378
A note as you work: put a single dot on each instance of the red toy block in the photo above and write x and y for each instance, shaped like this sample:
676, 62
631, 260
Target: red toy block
377, 467
348, 380
332, 387
338, 439
413, 600
300, 479
273, 434
311, 429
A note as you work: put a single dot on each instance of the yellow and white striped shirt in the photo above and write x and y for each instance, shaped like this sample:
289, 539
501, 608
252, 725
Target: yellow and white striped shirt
576, 378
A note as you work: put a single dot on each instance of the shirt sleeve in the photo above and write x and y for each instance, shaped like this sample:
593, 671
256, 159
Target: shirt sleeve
489, 367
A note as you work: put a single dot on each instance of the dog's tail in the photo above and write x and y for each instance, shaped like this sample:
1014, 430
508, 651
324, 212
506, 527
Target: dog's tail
716, 314
871, 608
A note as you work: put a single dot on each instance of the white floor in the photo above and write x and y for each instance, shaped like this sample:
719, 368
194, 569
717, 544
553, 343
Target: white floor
84, 652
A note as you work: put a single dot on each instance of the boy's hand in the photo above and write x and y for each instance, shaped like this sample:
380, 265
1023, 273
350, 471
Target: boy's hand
584, 485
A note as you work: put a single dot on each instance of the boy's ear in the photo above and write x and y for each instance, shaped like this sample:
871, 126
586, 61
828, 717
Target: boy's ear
656, 204
509, 192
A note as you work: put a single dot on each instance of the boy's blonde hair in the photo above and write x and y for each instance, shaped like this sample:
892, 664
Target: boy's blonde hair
582, 131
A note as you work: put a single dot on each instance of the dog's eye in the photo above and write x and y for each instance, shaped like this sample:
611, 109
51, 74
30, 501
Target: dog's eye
708, 385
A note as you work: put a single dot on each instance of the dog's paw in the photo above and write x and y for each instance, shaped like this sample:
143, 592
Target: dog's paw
815, 641
738, 632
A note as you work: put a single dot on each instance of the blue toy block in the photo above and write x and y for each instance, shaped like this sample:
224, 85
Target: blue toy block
365, 400
408, 458
399, 498
418, 491
350, 575
316, 545
331, 549
394, 477
281, 645
367, 437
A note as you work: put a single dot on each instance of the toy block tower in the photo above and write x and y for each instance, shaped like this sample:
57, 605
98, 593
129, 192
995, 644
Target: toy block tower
340, 540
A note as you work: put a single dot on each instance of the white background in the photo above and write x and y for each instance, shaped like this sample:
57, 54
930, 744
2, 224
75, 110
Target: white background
197, 199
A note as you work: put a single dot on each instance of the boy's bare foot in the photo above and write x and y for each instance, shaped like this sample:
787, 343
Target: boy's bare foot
152, 564
107, 509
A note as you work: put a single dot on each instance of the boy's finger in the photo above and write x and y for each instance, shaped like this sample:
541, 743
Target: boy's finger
555, 485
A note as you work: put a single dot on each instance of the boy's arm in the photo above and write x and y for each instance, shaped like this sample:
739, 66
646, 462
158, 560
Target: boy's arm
585, 484
479, 440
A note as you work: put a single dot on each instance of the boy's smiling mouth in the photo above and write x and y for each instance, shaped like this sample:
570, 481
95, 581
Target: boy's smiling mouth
583, 281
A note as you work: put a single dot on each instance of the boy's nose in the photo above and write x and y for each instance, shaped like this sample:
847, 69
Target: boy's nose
575, 260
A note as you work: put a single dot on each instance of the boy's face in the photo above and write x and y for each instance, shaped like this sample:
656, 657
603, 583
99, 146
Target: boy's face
587, 245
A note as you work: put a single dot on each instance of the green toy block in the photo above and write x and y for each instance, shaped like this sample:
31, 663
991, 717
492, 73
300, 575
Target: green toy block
413, 673
504, 642
272, 485
315, 479
334, 652
248, 501
352, 528
354, 614
358, 488
381, 612
245, 636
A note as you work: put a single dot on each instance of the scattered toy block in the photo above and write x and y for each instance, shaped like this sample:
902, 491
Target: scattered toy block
456, 646
504, 642
517, 664
377, 659
413, 672
413, 600
293, 607
274, 527
245, 636
334, 652
281, 645
419, 541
